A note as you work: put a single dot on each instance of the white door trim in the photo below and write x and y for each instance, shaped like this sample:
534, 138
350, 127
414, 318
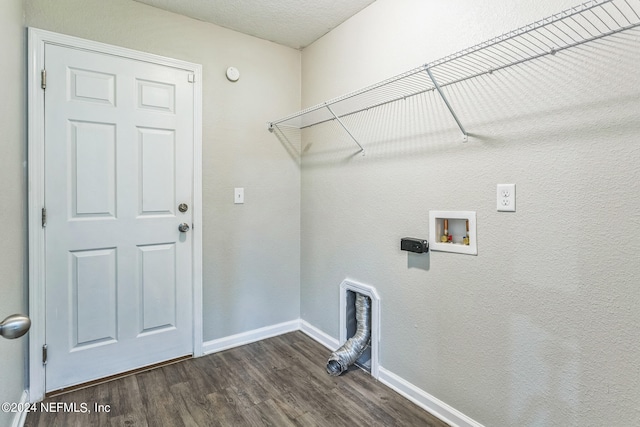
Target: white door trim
37, 41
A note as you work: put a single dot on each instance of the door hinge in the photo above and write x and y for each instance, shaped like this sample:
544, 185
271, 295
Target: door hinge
44, 354
191, 78
44, 217
43, 79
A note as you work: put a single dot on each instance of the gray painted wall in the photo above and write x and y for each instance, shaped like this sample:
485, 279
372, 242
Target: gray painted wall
251, 251
13, 196
543, 326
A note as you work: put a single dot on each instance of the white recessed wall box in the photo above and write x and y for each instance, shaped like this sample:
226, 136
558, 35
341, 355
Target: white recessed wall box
453, 231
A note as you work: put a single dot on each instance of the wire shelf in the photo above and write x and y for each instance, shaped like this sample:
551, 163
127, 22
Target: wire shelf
587, 22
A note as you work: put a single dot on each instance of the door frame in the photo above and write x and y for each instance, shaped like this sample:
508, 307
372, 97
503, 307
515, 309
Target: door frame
37, 40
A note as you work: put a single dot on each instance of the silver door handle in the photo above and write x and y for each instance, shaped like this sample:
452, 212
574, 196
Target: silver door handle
15, 326
184, 227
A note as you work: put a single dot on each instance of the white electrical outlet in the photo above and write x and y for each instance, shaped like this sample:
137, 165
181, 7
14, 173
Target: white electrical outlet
506, 197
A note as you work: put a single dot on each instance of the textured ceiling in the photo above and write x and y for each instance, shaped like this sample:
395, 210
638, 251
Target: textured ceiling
294, 23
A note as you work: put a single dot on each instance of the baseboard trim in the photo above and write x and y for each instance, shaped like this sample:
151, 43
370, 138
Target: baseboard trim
248, 337
426, 401
325, 339
418, 396
19, 418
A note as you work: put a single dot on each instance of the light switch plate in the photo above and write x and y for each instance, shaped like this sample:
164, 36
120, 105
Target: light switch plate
238, 196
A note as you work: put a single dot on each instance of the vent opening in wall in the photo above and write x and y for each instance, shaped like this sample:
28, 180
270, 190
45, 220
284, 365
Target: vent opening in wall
368, 360
364, 361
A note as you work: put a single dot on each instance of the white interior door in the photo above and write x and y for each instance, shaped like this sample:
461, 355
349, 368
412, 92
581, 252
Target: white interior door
118, 163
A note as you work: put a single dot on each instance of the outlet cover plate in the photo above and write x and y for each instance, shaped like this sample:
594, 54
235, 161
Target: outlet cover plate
506, 197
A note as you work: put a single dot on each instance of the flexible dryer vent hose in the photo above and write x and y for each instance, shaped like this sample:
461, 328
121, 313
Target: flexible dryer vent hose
345, 356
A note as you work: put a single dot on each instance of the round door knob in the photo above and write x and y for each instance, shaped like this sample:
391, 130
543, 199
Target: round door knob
184, 227
15, 326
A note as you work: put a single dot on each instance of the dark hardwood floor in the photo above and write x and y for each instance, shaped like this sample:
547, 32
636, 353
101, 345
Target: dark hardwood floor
278, 382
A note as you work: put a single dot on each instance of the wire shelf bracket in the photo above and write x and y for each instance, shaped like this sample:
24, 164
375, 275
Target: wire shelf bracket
345, 128
272, 126
587, 22
465, 135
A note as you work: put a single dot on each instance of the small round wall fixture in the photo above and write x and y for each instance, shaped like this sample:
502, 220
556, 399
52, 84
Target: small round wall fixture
233, 74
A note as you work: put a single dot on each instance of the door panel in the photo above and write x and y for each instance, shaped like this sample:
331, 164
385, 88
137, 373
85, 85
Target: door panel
93, 308
157, 163
118, 161
157, 96
158, 286
92, 86
92, 163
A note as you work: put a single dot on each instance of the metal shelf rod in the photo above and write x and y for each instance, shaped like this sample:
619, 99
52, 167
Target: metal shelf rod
589, 21
523, 30
370, 107
349, 95
462, 79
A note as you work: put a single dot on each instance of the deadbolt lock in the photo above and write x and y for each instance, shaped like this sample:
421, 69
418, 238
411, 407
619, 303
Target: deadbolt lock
183, 207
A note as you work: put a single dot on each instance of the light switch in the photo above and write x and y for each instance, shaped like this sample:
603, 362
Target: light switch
238, 196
